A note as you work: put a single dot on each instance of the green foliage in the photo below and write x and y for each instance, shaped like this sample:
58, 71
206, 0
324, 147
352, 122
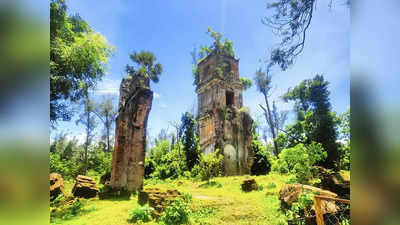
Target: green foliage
165, 162
187, 197
299, 160
300, 209
76, 207
140, 213
224, 48
345, 222
345, 156
67, 207
149, 166
189, 139
146, 67
211, 165
291, 180
176, 213
78, 57
68, 158
100, 161
261, 164
196, 171
247, 83
315, 121
343, 122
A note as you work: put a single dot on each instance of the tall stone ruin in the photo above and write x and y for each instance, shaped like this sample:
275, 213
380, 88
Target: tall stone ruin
135, 102
223, 122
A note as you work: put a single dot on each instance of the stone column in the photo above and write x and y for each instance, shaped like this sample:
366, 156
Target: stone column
130, 136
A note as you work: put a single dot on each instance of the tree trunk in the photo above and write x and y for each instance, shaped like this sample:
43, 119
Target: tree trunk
269, 119
179, 150
87, 143
108, 135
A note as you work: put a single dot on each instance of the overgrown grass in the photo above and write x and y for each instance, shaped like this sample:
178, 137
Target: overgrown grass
222, 203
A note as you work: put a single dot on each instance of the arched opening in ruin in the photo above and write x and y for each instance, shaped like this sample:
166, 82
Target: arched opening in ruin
229, 98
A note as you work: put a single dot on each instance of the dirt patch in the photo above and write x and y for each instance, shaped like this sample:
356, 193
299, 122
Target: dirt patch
204, 197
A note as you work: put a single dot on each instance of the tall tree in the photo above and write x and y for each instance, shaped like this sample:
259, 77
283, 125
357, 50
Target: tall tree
189, 140
107, 113
78, 57
88, 119
178, 129
312, 104
146, 65
263, 83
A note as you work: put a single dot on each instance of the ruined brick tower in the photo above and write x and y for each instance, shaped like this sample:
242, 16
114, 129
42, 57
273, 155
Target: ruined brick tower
223, 122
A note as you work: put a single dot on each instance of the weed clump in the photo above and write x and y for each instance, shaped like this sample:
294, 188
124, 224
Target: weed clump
140, 214
176, 213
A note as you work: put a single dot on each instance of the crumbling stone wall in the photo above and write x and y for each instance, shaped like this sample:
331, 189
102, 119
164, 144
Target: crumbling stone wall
223, 122
130, 134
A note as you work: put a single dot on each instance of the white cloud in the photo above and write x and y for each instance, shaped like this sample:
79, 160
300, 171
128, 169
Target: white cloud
163, 106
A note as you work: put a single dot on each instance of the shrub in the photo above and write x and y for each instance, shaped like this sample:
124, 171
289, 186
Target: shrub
299, 161
66, 207
196, 171
211, 165
345, 155
187, 174
164, 162
149, 167
176, 213
99, 161
187, 197
261, 164
301, 208
291, 180
140, 214
76, 207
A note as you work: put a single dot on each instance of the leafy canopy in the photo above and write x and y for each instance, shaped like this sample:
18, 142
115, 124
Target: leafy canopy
315, 120
299, 160
78, 58
146, 66
189, 139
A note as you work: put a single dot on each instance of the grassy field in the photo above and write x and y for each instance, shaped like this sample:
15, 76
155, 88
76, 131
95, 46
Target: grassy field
222, 203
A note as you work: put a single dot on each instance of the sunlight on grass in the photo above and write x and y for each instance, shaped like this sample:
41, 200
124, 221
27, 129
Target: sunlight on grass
223, 203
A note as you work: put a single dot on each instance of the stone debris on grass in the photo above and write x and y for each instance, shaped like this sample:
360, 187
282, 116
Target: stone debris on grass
158, 199
85, 187
290, 194
56, 185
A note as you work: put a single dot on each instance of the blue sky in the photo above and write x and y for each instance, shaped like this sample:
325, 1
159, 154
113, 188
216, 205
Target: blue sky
170, 29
